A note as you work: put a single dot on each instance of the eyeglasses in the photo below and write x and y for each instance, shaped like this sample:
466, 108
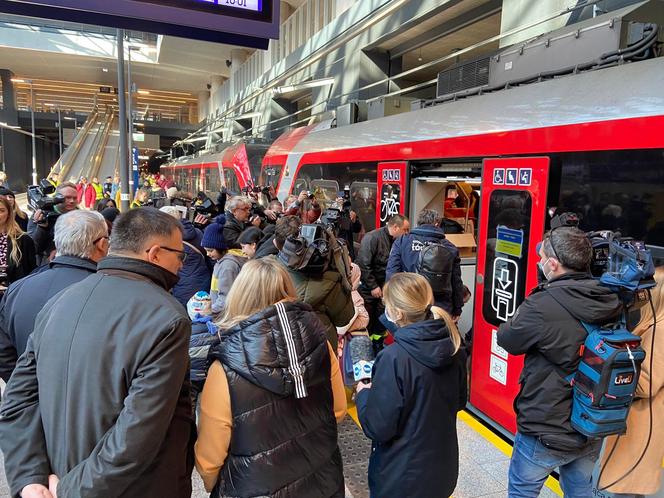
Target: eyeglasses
100, 238
182, 256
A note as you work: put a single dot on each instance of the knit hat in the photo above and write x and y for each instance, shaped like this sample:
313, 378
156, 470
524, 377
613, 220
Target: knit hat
199, 305
213, 238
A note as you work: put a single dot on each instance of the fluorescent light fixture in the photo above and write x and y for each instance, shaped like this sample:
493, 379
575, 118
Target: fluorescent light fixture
143, 92
303, 86
48, 104
139, 124
248, 115
104, 69
68, 118
17, 80
192, 140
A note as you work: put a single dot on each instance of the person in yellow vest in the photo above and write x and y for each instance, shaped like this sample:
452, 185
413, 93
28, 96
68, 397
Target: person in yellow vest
99, 189
141, 199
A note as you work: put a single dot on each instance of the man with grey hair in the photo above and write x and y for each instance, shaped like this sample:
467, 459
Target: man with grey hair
81, 240
238, 209
405, 257
98, 404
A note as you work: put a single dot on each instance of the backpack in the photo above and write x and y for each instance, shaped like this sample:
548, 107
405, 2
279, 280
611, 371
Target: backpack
605, 382
436, 263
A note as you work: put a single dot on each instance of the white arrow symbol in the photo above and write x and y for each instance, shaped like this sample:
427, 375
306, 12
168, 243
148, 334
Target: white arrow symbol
504, 279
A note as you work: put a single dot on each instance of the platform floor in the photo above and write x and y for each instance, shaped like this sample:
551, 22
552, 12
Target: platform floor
483, 462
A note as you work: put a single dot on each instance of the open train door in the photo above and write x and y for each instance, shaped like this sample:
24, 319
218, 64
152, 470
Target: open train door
391, 198
513, 208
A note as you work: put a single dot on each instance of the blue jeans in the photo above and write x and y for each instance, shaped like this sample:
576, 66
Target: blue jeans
532, 462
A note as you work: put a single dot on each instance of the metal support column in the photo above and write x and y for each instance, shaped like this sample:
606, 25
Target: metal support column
34, 138
124, 152
60, 130
130, 135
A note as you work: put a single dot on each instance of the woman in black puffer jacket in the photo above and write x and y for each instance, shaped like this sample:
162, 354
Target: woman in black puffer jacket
275, 386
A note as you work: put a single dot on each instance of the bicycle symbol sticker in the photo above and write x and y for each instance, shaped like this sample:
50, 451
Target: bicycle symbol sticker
498, 370
389, 203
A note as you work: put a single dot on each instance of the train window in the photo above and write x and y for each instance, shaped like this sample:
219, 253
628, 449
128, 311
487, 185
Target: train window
213, 180
334, 177
507, 255
196, 179
270, 176
614, 190
232, 185
326, 191
363, 202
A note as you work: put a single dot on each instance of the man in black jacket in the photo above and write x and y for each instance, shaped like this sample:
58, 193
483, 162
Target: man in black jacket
547, 329
238, 211
81, 240
100, 398
372, 260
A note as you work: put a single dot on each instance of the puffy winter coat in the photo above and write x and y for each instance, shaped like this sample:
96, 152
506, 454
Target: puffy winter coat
90, 196
406, 252
284, 432
551, 338
195, 274
409, 413
203, 337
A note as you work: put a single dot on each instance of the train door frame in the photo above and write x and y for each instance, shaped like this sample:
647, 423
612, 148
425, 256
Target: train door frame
428, 192
492, 394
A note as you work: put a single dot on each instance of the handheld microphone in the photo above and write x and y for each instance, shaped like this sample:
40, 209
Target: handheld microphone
362, 356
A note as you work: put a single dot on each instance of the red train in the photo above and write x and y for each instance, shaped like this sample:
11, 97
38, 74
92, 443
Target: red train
590, 143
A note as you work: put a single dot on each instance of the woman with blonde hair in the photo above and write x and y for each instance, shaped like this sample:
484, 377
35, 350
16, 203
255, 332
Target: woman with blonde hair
419, 384
17, 251
273, 395
631, 464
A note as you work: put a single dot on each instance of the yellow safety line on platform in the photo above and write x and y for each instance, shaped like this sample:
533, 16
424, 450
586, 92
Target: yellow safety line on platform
499, 443
483, 431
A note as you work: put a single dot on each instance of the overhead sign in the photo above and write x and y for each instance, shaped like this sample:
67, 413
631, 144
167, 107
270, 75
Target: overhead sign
247, 23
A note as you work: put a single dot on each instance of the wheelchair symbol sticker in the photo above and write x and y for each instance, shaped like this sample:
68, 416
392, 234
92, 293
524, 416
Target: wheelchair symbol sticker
511, 177
499, 176
498, 370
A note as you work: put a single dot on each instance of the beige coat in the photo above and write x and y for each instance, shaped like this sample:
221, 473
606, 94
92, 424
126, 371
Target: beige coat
645, 479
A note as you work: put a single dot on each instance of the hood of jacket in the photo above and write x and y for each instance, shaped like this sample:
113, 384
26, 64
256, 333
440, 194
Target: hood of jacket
584, 297
428, 232
257, 350
190, 232
428, 342
118, 265
355, 276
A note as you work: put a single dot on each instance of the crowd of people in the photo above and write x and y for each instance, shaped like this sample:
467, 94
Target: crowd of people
145, 345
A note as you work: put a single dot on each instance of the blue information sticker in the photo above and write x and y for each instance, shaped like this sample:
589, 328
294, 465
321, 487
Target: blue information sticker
509, 241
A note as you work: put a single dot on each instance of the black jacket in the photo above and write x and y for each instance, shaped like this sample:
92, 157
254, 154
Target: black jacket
281, 445
100, 397
26, 264
232, 230
266, 248
551, 337
405, 254
372, 258
26, 298
196, 272
409, 413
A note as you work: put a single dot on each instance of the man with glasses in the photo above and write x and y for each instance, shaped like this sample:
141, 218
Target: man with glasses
81, 240
99, 403
547, 329
41, 225
238, 210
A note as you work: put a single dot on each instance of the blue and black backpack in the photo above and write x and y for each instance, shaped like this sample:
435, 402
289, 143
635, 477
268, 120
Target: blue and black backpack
608, 374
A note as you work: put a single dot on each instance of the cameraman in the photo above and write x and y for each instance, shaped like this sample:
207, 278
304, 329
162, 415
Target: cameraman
238, 210
349, 224
41, 225
318, 281
547, 329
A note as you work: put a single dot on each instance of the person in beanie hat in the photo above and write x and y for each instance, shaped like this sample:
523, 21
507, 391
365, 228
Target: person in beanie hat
203, 337
228, 264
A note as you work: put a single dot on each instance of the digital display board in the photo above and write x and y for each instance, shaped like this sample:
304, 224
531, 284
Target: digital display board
249, 23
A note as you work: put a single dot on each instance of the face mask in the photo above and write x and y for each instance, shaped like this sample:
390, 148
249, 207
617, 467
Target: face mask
541, 268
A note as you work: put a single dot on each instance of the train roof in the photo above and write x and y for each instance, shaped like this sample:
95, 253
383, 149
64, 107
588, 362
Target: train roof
626, 91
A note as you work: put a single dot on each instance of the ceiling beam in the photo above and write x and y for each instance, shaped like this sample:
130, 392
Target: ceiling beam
460, 22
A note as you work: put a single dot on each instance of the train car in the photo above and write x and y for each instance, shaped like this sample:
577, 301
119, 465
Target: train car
235, 168
590, 143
